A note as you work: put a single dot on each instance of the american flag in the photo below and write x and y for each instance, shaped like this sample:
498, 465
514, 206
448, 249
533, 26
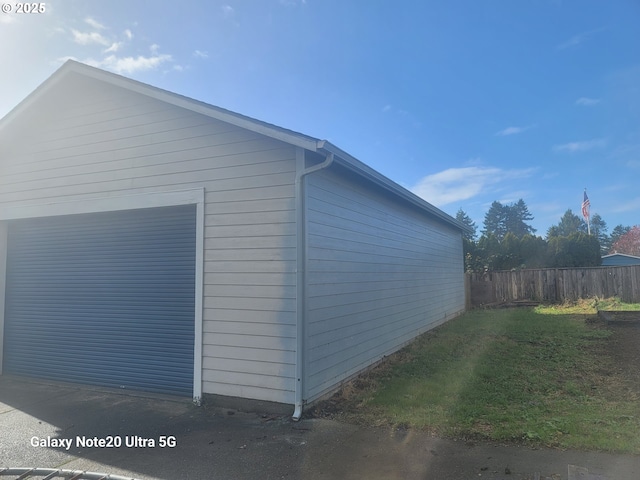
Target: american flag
585, 207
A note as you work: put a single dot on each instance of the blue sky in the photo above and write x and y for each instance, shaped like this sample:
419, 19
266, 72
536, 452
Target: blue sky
461, 102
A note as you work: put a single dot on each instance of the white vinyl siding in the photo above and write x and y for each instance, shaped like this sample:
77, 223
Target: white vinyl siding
379, 269
379, 273
91, 140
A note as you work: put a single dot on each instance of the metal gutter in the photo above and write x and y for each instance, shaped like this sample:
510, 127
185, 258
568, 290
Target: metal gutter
301, 263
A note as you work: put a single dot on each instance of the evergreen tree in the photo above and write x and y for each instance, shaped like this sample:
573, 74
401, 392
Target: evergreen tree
501, 219
599, 230
575, 250
533, 250
511, 256
463, 218
495, 221
488, 250
517, 216
617, 232
473, 261
569, 223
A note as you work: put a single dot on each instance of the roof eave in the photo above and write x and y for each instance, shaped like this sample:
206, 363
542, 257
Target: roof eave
621, 255
242, 121
369, 173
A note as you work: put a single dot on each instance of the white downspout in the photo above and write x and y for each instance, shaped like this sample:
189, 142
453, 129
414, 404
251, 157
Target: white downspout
301, 261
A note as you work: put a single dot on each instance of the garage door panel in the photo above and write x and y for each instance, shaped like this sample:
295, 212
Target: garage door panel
106, 299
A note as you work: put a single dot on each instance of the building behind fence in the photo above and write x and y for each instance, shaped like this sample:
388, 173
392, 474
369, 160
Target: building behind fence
555, 285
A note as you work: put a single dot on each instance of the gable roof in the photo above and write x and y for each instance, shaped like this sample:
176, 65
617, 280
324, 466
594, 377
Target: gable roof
633, 257
289, 136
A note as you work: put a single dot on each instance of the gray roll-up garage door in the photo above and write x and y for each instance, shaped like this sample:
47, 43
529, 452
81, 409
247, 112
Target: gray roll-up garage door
104, 299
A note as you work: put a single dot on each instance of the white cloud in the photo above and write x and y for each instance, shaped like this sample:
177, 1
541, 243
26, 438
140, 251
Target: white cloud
96, 38
83, 38
583, 146
512, 131
230, 15
509, 131
572, 42
587, 102
200, 54
115, 46
386, 108
227, 11
94, 24
632, 205
130, 65
112, 56
578, 39
627, 154
455, 184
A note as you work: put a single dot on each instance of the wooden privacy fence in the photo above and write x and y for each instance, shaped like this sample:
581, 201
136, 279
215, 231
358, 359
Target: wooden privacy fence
555, 285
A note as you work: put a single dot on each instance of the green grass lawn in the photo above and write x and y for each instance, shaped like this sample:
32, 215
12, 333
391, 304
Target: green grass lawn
540, 376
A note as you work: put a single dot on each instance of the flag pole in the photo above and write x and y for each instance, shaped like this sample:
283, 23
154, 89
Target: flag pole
588, 215
585, 211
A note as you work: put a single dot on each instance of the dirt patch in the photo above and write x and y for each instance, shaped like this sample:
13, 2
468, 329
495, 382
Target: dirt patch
347, 403
624, 348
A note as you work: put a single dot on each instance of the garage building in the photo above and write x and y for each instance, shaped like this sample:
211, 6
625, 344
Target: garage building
149, 241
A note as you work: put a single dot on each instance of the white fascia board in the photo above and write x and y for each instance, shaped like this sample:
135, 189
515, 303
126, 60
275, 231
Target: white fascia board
257, 126
32, 97
196, 106
242, 121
